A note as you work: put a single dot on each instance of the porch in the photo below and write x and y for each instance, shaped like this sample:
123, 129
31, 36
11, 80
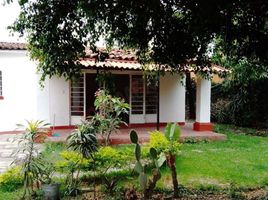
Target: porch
122, 136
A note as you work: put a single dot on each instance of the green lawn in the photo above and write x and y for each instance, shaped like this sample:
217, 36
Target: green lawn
241, 160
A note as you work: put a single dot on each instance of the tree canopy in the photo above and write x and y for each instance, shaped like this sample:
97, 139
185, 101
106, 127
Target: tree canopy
168, 32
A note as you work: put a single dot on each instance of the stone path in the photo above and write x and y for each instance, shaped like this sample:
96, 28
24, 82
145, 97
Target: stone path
9, 145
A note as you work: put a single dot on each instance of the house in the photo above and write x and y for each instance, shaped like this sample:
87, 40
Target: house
64, 103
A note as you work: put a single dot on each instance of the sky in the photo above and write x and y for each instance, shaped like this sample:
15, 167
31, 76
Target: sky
8, 14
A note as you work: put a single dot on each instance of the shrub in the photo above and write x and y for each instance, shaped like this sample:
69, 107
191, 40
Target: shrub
220, 111
158, 141
11, 179
71, 159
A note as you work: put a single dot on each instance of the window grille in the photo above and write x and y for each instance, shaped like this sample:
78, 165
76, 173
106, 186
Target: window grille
137, 95
151, 99
77, 97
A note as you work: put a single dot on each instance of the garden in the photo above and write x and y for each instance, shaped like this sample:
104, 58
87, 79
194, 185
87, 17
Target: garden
86, 168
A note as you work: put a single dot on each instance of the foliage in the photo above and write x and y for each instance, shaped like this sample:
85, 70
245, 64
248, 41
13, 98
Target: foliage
242, 99
172, 133
158, 141
11, 179
147, 185
108, 116
46, 170
30, 160
84, 141
70, 161
163, 32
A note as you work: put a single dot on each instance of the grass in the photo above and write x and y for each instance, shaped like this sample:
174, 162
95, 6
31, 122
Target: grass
241, 160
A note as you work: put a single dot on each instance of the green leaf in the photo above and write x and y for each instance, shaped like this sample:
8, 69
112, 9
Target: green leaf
143, 180
153, 153
167, 131
133, 136
138, 167
161, 159
138, 152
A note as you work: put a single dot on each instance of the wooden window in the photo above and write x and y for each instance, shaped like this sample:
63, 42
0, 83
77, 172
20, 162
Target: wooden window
77, 97
151, 99
1, 86
137, 95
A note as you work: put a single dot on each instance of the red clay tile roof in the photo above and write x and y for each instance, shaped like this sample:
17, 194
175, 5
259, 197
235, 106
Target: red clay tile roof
12, 46
115, 59
127, 60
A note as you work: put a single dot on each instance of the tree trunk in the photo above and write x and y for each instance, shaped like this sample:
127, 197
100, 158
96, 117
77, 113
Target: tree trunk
148, 192
172, 165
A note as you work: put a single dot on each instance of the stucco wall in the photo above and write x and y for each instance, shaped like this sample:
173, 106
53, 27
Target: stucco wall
172, 98
19, 89
59, 102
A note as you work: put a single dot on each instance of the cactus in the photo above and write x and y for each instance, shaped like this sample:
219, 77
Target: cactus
172, 133
147, 185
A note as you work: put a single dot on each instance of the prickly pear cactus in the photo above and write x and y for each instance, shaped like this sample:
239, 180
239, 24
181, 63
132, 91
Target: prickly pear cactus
147, 185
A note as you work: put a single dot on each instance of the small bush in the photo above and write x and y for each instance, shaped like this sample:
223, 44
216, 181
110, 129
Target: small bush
11, 179
220, 111
71, 159
158, 141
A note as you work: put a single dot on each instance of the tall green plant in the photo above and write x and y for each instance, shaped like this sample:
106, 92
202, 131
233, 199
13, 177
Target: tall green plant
30, 160
84, 141
109, 114
147, 185
172, 133
167, 146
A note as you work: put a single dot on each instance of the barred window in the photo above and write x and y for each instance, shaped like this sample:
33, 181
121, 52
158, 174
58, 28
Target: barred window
1, 87
151, 99
77, 97
137, 95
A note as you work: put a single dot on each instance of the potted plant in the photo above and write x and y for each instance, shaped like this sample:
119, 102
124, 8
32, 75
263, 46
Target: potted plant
30, 160
51, 190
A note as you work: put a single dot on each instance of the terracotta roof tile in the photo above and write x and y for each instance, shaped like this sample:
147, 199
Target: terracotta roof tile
12, 46
127, 60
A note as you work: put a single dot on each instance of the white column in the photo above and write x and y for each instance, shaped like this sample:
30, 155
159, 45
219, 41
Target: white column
203, 101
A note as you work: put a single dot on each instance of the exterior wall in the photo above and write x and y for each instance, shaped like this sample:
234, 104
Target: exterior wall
172, 98
24, 99
19, 89
59, 102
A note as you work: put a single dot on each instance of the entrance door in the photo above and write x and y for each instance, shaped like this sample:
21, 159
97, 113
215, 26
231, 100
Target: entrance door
143, 101
91, 88
120, 88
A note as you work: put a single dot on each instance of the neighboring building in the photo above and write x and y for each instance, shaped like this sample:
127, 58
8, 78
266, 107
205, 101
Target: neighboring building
64, 104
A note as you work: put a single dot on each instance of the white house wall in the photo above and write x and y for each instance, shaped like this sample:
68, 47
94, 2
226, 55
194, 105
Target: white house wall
172, 98
59, 102
19, 89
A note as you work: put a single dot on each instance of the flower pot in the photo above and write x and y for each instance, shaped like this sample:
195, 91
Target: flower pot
40, 137
51, 191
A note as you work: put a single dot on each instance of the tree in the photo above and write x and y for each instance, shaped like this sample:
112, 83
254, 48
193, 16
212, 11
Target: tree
165, 32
